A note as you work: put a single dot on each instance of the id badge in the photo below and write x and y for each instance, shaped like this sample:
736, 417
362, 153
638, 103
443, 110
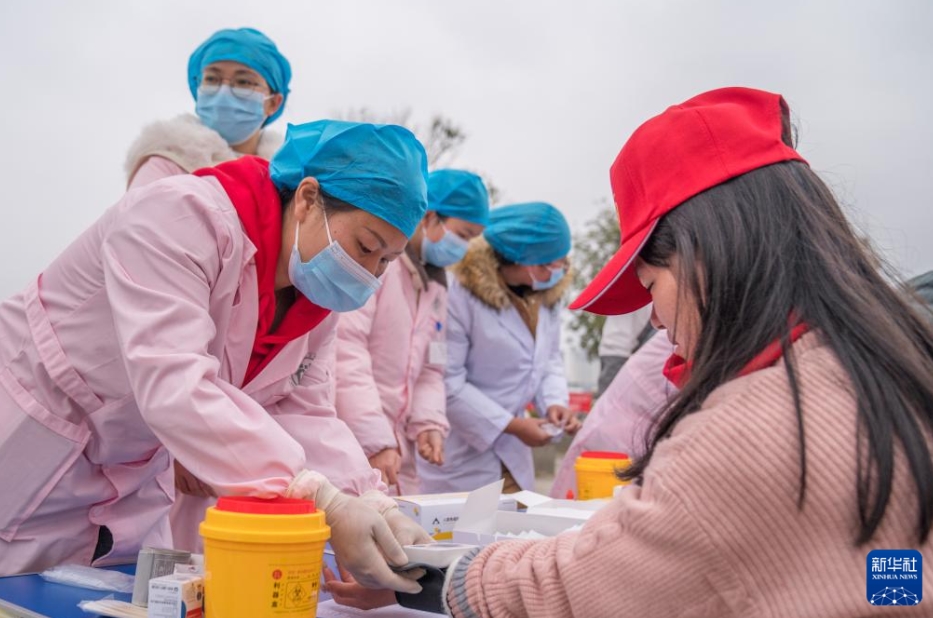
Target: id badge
437, 353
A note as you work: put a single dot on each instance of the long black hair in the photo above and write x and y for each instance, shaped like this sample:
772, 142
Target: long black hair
771, 248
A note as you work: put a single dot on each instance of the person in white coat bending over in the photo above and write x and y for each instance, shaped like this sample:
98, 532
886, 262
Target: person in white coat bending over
239, 82
503, 350
194, 318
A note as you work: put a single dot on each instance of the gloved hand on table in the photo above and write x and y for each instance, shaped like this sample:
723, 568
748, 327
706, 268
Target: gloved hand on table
405, 530
363, 540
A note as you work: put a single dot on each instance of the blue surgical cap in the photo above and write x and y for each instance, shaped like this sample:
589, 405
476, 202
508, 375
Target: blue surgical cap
459, 194
530, 234
246, 46
380, 168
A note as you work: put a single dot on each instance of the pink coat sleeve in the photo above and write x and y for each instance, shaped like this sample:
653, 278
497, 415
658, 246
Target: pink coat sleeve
309, 417
428, 406
644, 554
154, 168
429, 395
358, 401
160, 260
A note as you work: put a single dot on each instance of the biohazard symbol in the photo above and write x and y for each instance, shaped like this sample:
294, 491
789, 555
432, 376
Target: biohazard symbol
297, 595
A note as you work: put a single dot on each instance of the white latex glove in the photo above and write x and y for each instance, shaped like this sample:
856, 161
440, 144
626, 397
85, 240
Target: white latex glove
404, 528
361, 537
406, 531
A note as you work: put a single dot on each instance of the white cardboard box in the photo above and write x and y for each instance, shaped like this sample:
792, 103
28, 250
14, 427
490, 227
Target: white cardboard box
480, 523
538, 504
179, 594
439, 513
504, 526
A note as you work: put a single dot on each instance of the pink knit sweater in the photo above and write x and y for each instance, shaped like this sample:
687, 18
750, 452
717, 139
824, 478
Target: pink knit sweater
715, 530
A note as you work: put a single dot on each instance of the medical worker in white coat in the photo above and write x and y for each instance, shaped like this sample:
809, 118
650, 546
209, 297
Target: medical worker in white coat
194, 318
503, 350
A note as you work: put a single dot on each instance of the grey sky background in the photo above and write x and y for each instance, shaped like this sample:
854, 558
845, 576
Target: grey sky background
546, 91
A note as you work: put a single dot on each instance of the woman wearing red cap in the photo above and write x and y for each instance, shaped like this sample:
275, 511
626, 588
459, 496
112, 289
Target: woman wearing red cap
800, 440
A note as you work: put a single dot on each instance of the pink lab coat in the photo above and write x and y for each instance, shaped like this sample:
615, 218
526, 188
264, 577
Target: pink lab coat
155, 168
624, 413
391, 356
132, 345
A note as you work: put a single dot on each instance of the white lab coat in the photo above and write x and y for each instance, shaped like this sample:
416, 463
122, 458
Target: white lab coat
494, 369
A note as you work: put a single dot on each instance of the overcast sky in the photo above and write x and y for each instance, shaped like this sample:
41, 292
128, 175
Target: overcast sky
546, 91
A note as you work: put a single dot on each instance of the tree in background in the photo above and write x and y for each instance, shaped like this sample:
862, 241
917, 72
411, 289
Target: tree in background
441, 137
592, 248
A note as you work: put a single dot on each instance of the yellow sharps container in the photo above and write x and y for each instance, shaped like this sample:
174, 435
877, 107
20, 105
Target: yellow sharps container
596, 473
262, 558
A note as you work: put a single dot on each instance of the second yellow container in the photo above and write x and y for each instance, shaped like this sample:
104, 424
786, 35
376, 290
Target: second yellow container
262, 558
596, 476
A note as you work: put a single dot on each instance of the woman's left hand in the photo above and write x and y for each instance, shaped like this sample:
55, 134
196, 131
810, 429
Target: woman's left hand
565, 418
431, 446
347, 591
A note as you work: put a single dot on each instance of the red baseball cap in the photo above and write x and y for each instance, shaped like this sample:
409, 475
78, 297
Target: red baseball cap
672, 157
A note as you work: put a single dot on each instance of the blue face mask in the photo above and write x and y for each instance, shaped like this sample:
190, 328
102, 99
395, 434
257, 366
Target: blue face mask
556, 276
450, 249
331, 279
235, 118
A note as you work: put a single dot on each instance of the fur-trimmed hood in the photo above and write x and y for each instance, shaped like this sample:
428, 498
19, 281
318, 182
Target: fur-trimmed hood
478, 272
185, 141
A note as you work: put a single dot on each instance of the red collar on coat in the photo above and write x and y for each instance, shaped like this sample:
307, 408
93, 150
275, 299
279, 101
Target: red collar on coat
248, 185
677, 370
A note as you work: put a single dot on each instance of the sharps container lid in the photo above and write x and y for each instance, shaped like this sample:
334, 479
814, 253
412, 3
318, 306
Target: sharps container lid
265, 506
603, 455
